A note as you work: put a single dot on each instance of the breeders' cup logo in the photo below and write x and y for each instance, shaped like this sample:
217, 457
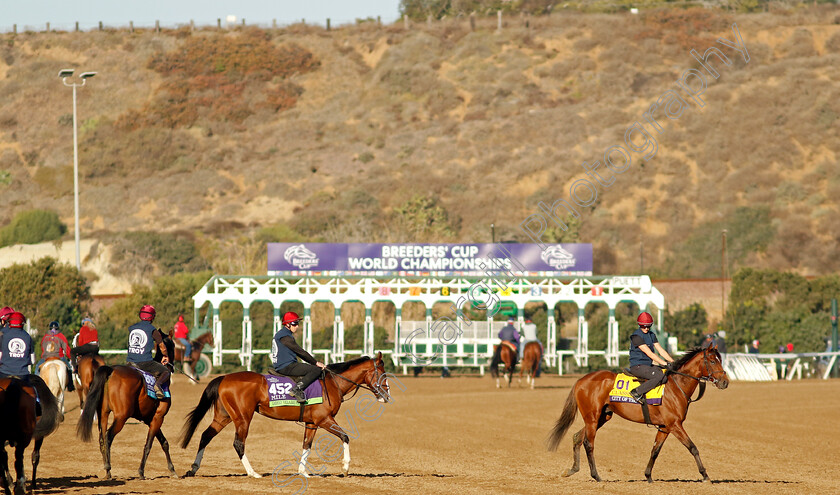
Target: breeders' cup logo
137, 341
300, 257
17, 348
558, 257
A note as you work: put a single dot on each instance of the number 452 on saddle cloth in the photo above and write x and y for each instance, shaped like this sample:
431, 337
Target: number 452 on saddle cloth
625, 383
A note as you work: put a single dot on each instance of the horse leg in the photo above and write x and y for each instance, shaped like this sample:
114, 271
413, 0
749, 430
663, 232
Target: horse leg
657, 446
219, 422
4, 459
242, 425
154, 428
577, 441
682, 436
589, 444
308, 436
20, 484
164, 444
36, 458
331, 426
106, 438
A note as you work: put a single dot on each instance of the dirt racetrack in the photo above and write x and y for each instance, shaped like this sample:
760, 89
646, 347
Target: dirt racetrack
462, 435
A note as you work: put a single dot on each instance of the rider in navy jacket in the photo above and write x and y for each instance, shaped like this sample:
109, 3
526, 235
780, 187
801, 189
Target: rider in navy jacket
643, 348
284, 353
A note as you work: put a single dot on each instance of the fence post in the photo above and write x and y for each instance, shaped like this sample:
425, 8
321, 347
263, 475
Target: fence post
243, 22
157, 26
100, 25
130, 27
499, 22
77, 26
328, 24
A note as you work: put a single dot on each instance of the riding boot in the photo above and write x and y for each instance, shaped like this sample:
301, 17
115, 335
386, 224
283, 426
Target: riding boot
299, 393
159, 381
70, 386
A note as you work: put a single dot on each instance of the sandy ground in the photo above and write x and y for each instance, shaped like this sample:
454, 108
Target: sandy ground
463, 435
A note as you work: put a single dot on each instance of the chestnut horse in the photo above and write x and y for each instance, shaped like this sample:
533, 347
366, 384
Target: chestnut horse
503, 353
122, 390
195, 354
19, 425
86, 366
237, 396
590, 395
531, 357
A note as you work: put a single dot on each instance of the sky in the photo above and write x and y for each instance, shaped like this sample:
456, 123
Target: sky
62, 15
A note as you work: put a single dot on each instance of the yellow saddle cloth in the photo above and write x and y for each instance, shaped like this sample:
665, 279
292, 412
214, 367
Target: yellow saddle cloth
625, 383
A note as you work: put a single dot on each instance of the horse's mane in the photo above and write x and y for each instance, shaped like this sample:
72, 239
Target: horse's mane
342, 367
687, 357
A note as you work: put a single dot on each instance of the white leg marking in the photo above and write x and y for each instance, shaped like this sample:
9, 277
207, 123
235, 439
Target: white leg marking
248, 467
302, 465
346, 465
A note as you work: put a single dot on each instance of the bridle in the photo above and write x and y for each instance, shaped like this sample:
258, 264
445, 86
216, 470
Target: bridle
709, 376
376, 389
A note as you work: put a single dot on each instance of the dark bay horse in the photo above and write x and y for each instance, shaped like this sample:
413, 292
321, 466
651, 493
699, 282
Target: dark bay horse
503, 353
19, 425
237, 396
590, 395
86, 366
531, 357
122, 390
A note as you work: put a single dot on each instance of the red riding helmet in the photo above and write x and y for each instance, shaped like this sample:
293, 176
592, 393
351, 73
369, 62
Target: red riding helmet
290, 317
149, 311
16, 320
5, 313
645, 319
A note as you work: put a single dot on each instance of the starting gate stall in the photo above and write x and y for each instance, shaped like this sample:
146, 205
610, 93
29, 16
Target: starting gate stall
421, 343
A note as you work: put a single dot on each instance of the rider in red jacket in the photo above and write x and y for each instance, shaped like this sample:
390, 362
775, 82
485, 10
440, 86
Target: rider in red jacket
86, 341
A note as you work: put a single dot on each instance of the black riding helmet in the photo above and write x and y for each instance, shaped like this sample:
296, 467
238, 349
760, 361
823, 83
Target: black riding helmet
53, 325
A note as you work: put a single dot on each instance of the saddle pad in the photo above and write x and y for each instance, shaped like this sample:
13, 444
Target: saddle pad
280, 392
509, 345
625, 383
150, 385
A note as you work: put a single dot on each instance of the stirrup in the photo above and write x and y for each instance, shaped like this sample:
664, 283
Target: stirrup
300, 396
639, 398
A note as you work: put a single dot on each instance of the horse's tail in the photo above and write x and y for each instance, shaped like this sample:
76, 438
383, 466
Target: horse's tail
564, 422
51, 415
494, 363
208, 398
93, 402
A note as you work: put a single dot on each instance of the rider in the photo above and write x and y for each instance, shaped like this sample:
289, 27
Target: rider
642, 356
4, 316
509, 334
54, 344
142, 339
182, 334
86, 342
284, 352
17, 351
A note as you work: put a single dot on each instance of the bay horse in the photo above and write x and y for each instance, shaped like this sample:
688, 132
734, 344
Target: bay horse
237, 396
54, 374
590, 395
19, 425
531, 357
506, 354
195, 354
121, 389
86, 366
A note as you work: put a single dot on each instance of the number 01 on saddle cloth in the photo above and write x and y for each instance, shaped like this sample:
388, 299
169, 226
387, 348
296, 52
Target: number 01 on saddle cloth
625, 383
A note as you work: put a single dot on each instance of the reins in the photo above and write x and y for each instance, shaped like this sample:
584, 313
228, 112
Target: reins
701, 380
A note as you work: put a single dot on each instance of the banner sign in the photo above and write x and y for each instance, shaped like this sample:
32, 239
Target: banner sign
413, 260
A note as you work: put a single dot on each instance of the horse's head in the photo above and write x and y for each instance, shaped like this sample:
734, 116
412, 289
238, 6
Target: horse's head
377, 379
207, 339
705, 363
170, 346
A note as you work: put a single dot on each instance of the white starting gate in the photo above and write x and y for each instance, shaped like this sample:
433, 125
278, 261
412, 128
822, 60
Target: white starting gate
471, 348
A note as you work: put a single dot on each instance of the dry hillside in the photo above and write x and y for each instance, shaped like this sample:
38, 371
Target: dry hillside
333, 133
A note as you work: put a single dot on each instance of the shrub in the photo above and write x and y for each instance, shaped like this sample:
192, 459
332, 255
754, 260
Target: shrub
32, 227
45, 290
149, 254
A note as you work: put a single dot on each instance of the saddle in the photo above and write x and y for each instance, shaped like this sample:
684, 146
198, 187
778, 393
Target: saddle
641, 379
178, 344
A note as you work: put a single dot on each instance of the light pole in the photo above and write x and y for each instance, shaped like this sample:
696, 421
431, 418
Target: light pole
65, 74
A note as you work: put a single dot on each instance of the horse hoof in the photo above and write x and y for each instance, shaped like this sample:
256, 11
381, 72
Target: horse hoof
706, 479
174, 476
256, 475
189, 474
569, 473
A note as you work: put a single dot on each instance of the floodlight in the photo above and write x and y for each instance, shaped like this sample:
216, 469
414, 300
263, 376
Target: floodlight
65, 73
85, 75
